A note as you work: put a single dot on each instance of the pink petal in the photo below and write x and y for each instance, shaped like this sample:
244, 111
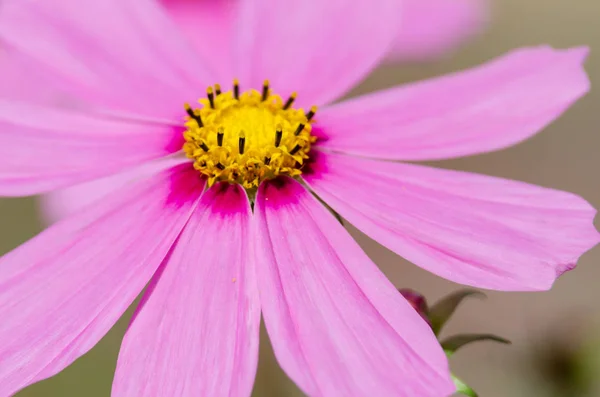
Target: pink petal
210, 26
59, 204
337, 325
484, 109
196, 331
19, 80
318, 48
43, 148
125, 55
430, 28
64, 289
472, 229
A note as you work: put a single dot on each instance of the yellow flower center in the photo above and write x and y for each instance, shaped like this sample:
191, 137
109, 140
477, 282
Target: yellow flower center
247, 137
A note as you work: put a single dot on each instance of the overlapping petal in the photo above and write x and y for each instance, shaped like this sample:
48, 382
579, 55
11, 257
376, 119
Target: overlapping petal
425, 28
487, 108
59, 204
125, 55
64, 289
477, 230
210, 27
196, 330
44, 148
337, 325
318, 48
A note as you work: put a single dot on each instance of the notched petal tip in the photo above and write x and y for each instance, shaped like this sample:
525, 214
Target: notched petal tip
531, 234
588, 239
577, 56
572, 60
515, 95
580, 53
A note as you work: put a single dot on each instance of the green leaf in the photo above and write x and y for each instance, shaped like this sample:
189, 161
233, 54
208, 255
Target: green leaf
443, 309
455, 342
462, 387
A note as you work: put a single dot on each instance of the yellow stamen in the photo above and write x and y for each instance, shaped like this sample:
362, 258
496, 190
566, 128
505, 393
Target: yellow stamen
211, 97
247, 137
290, 100
236, 89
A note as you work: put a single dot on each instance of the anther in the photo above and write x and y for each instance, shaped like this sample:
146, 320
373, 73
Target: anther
232, 110
265, 91
220, 135
299, 129
236, 89
278, 135
311, 113
295, 149
211, 96
290, 101
242, 142
193, 115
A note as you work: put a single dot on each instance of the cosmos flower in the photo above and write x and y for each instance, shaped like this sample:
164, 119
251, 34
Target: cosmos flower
426, 29
236, 228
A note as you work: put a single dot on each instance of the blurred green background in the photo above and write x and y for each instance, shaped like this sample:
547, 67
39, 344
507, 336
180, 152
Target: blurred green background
556, 343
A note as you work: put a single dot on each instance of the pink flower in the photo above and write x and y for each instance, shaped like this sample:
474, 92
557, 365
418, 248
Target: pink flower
214, 264
425, 29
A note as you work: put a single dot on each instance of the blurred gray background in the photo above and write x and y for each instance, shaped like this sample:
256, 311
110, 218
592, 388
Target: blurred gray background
556, 343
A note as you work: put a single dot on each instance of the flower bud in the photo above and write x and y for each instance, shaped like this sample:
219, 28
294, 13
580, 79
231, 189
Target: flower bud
417, 301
